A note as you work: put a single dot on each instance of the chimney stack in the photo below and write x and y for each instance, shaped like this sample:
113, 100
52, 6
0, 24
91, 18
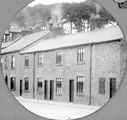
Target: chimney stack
94, 17
55, 28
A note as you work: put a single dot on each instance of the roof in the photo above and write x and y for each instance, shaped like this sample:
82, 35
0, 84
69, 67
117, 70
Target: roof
6, 44
24, 42
96, 36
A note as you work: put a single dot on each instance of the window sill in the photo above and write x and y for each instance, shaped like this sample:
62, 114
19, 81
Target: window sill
26, 67
39, 92
80, 63
12, 90
26, 91
39, 66
58, 65
58, 94
80, 94
101, 94
12, 68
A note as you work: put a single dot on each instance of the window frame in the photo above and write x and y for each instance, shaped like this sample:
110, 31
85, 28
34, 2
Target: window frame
39, 89
40, 58
59, 86
6, 62
101, 88
1, 62
80, 84
26, 80
81, 55
13, 62
59, 57
12, 83
26, 61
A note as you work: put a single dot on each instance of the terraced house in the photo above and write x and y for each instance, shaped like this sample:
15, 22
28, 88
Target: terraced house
11, 58
86, 67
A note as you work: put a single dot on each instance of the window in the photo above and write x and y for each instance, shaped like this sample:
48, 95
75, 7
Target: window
39, 85
6, 62
40, 59
80, 83
13, 62
26, 64
102, 86
26, 84
13, 84
59, 58
80, 55
58, 85
2, 63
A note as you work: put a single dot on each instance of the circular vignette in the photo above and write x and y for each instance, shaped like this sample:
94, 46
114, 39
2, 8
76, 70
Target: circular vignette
117, 91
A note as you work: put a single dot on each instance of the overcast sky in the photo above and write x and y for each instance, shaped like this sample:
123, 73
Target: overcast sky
52, 1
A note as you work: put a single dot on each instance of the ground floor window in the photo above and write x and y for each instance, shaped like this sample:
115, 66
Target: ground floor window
39, 85
26, 84
80, 84
13, 84
102, 86
58, 85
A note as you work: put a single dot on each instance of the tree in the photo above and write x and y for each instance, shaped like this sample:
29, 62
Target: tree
76, 14
105, 18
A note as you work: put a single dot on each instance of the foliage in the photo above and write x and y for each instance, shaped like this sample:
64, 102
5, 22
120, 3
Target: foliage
76, 13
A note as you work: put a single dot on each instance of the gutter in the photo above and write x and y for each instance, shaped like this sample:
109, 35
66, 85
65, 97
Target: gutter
34, 77
90, 91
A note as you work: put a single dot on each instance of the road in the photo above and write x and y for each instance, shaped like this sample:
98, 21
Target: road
57, 110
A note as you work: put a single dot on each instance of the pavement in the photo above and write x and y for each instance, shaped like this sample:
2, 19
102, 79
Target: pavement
57, 110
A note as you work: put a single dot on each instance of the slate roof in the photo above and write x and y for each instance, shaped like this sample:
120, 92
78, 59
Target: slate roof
96, 36
4, 45
25, 41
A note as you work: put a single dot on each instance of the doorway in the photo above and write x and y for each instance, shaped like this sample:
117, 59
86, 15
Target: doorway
51, 89
71, 91
6, 80
112, 86
46, 90
21, 88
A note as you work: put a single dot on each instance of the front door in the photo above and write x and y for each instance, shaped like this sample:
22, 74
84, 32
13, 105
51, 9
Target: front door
71, 91
112, 86
51, 89
46, 90
21, 90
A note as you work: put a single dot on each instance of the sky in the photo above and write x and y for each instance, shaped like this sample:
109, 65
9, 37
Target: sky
52, 1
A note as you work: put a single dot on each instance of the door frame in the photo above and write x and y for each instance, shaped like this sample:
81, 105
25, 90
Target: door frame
45, 89
51, 92
111, 82
6, 80
71, 90
21, 88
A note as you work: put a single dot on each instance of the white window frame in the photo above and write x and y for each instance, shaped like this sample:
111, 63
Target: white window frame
58, 85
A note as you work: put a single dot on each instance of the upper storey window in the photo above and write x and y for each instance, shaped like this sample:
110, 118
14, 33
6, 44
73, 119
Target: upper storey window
59, 57
13, 62
80, 55
26, 64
